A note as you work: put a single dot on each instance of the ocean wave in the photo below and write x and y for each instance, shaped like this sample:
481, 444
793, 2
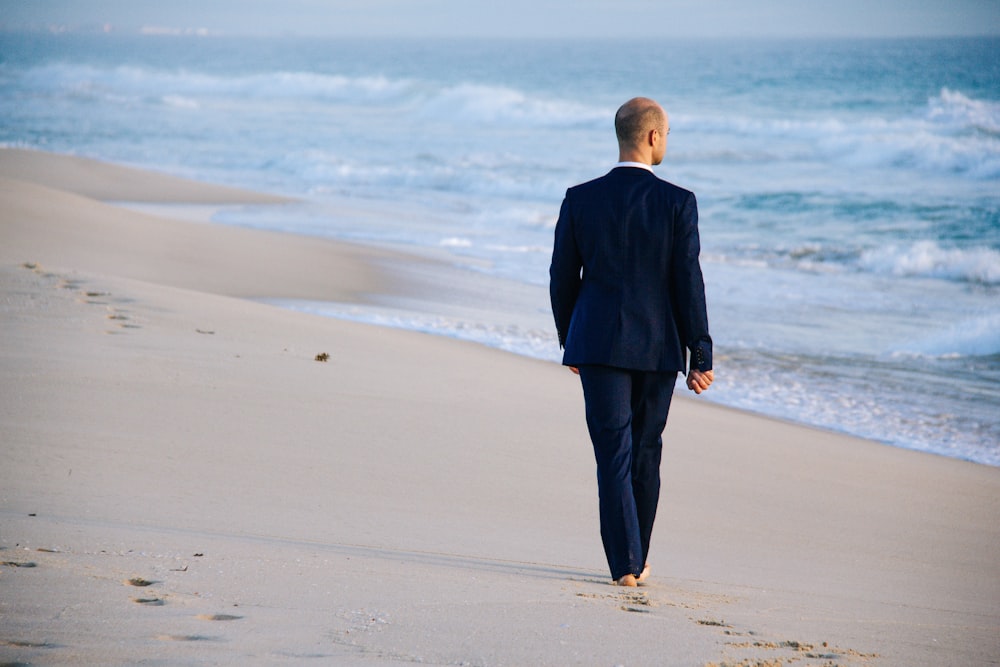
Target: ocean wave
951, 134
477, 103
181, 102
975, 337
464, 103
928, 259
811, 258
920, 259
477, 173
140, 83
456, 242
955, 134
957, 112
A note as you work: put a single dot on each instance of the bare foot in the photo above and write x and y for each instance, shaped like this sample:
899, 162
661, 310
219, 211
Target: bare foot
627, 580
645, 574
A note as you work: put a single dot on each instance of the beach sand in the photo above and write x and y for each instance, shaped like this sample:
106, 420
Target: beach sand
183, 482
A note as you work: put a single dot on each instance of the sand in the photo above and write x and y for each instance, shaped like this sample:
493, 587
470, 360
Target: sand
411, 499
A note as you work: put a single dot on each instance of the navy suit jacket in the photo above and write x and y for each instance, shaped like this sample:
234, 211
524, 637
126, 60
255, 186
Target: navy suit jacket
625, 281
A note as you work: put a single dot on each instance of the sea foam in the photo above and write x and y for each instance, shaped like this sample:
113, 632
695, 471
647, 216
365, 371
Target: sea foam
952, 134
975, 337
928, 259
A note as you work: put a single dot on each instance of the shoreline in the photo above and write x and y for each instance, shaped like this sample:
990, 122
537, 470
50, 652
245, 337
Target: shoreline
422, 289
414, 496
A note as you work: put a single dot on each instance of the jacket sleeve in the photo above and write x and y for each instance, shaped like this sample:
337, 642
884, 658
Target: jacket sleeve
564, 272
689, 288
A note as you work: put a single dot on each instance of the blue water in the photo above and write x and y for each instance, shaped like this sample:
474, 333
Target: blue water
849, 190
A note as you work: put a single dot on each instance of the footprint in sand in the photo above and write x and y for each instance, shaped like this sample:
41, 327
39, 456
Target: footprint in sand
185, 638
634, 601
794, 651
218, 617
37, 268
94, 297
636, 610
123, 320
122, 317
150, 602
138, 581
17, 643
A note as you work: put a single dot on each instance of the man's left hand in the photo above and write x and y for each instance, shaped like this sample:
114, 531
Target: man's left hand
699, 381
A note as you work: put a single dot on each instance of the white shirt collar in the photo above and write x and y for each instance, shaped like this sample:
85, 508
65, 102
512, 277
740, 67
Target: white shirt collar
640, 165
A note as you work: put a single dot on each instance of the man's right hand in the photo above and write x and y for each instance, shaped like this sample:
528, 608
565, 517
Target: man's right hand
699, 381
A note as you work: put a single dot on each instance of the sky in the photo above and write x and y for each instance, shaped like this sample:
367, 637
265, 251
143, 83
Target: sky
519, 18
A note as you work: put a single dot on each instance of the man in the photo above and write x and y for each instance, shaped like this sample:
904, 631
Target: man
628, 299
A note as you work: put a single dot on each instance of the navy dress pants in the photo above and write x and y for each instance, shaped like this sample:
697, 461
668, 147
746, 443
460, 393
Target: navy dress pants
626, 414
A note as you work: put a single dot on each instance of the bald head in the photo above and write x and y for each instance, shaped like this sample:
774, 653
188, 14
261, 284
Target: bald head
636, 118
641, 124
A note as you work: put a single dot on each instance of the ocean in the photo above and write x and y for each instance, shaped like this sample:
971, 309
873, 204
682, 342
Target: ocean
849, 190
